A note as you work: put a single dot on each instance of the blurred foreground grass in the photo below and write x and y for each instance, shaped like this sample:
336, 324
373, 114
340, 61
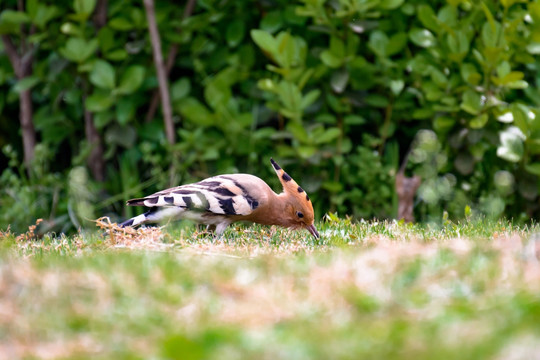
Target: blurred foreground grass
377, 290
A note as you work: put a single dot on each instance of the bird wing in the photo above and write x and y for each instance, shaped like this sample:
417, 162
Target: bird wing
223, 195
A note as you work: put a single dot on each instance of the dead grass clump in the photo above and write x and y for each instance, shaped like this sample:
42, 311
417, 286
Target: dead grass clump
142, 237
31, 233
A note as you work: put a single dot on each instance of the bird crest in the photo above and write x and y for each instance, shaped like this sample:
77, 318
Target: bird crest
290, 186
301, 205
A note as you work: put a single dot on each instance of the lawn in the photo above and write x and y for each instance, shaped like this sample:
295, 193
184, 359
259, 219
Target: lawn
368, 290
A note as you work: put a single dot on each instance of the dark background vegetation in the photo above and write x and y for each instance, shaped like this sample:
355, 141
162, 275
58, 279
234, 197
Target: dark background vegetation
339, 92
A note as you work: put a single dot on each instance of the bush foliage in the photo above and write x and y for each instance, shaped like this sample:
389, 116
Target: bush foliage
340, 92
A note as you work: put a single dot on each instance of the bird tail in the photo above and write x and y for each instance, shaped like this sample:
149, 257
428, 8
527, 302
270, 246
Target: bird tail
156, 214
137, 220
136, 202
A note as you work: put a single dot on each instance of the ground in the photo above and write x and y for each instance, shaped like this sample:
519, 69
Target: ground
374, 290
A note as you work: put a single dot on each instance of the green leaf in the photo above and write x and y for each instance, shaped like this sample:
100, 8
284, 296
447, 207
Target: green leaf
444, 123
458, 44
479, 121
103, 75
78, 50
235, 33
328, 136
378, 42
397, 86
116, 55
84, 8
121, 135
106, 38
508, 3
309, 98
533, 48
422, 37
511, 77
131, 80
354, 120
396, 43
438, 77
180, 89
25, 84
471, 102
267, 85
298, 131
14, 17
306, 152
511, 144
337, 47
99, 101
330, 59
291, 50
470, 74
427, 18
195, 112
491, 21
377, 100
533, 168
69, 28
520, 115
448, 15
339, 80
272, 21
101, 119
490, 34
264, 40
121, 24
32, 8
519, 84
11, 21
391, 4
125, 110
42, 14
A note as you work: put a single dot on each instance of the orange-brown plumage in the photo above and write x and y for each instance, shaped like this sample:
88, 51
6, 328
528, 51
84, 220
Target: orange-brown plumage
221, 200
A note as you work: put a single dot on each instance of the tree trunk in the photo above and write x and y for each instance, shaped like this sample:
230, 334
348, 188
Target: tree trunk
160, 70
96, 162
406, 188
22, 66
188, 10
27, 126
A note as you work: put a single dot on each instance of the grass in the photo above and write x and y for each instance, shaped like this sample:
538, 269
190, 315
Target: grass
368, 290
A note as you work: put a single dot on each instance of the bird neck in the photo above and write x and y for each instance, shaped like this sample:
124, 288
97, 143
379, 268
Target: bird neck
278, 209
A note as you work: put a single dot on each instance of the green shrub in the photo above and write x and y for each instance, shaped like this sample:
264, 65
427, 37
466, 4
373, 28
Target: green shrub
338, 91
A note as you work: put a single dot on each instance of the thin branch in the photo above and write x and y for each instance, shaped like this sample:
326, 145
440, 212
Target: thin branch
171, 57
27, 126
12, 55
160, 70
100, 14
22, 66
96, 161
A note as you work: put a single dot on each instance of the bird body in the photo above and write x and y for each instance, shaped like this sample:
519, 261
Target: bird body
221, 200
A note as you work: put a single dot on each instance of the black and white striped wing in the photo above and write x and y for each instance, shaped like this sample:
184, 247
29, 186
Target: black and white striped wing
221, 195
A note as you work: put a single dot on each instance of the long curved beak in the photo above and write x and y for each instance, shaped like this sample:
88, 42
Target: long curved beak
313, 231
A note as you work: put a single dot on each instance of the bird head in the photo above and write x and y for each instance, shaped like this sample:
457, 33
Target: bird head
299, 209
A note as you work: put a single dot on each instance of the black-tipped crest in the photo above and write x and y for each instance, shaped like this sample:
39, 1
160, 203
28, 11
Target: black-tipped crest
300, 207
275, 165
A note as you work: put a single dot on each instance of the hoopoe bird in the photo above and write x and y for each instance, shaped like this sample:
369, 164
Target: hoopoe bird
221, 200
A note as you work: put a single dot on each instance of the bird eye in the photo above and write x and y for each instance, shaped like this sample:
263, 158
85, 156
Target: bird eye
299, 214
